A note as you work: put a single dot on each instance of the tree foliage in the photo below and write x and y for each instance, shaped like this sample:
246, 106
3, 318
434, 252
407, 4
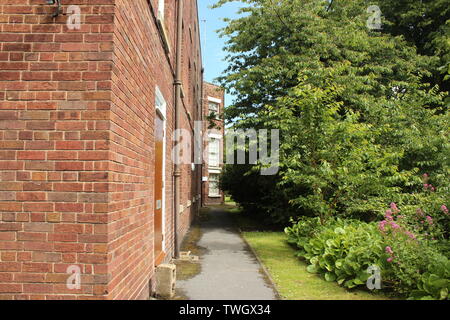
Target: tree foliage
359, 121
274, 41
426, 25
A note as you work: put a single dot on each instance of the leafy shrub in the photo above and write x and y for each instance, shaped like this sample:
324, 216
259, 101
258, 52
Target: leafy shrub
342, 249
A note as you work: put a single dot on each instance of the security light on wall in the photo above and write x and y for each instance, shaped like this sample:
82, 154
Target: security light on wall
58, 9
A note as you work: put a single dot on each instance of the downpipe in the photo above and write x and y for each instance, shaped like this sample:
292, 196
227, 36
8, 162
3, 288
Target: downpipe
178, 102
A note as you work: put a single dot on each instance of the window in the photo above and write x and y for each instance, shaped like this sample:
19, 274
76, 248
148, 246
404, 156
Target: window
160, 103
213, 109
214, 190
214, 152
161, 9
161, 25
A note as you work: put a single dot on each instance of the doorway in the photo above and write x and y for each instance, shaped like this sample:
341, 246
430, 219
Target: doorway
159, 170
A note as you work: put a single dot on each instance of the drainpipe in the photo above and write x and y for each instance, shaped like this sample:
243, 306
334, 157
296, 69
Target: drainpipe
178, 102
201, 147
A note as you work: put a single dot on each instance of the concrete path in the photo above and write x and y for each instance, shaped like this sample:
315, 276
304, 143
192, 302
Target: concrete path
229, 271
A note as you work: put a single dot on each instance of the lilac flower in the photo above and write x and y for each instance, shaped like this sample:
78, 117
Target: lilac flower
394, 225
429, 220
382, 225
390, 259
425, 186
394, 207
389, 250
444, 209
389, 215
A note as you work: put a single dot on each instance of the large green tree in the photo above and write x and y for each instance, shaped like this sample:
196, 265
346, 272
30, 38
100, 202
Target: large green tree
358, 120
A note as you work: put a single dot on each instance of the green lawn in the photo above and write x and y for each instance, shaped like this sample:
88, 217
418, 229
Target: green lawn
290, 275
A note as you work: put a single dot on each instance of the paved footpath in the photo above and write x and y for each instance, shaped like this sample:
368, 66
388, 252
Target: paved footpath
229, 271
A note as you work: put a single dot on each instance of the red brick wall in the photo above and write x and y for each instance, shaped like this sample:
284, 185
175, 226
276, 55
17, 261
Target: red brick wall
137, 52
54, 101
76, 146
213, 91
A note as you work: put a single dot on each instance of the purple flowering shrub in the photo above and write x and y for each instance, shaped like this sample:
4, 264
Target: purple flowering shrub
424, 215
415, 266
417, 224
408, 245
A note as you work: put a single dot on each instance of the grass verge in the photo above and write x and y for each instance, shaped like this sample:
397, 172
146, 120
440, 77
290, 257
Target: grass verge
289, 273
286, 270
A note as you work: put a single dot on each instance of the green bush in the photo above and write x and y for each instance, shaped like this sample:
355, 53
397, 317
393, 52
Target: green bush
342, 250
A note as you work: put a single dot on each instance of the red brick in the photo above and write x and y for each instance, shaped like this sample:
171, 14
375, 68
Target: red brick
10, 206
94, 176
31, 155
9, 76
36, 267
70, 145
69, 207
62, 155
38, 207
10, 287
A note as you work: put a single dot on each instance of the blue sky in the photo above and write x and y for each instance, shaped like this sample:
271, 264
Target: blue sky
210, 21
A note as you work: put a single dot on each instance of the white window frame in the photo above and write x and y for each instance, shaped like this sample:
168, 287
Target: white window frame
216, 100
162, 26
210, 194
216, 109
161, 8
217, 138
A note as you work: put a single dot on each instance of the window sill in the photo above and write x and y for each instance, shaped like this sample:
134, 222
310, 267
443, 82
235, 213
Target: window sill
164, 35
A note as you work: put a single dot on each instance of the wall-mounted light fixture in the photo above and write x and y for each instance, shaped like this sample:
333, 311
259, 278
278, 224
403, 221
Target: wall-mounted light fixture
57, 9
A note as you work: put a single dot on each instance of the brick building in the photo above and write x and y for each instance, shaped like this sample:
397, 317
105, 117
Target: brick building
213, 126
87, 116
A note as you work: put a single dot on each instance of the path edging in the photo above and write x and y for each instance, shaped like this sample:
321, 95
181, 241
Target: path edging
263, 267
